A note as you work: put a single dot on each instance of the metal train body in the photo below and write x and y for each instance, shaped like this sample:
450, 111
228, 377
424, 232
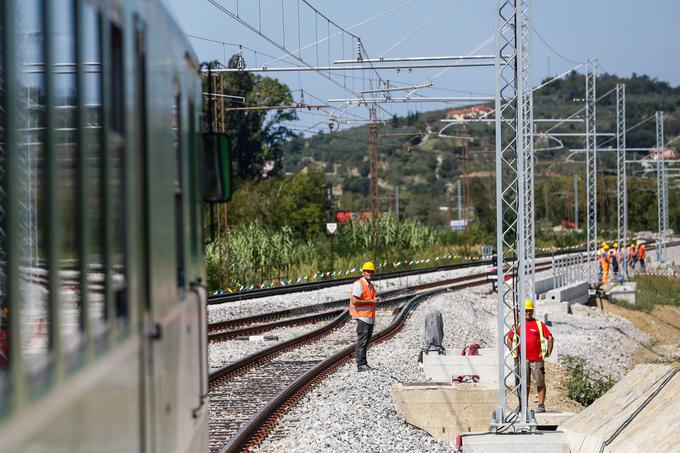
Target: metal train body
101, 248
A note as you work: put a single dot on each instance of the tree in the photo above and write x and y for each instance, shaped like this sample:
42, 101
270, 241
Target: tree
256, 135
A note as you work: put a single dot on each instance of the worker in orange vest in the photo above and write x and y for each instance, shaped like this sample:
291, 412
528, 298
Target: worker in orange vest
362, 305
604, 262
642, 255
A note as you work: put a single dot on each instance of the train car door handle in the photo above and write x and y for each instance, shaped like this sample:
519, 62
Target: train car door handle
155, 333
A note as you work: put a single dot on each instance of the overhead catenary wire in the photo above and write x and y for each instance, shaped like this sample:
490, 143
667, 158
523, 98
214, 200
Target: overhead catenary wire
555, 51
270, 40
365, 21
421, 26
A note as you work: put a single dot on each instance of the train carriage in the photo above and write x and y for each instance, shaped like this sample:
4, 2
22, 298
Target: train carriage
101, 248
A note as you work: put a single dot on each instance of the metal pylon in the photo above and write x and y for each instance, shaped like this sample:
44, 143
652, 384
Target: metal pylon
513, 181
662, 189
527, 107
591, 169
621, 186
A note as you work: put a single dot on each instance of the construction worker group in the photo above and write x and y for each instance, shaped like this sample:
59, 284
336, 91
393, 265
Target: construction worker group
610, 260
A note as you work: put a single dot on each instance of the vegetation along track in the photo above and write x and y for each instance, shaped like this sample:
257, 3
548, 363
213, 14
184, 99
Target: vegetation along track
247, 396
301, 287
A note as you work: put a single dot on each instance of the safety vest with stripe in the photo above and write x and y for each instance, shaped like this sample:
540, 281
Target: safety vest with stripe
544, 341
363, 309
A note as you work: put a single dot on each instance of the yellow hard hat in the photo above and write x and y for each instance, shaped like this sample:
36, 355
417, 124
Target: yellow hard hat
368, 266
616, 245
605, 246
528, 304
637, 243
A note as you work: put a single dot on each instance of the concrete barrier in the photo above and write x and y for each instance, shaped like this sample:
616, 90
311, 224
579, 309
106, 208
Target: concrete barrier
640, 413
446, 410
625, 292
442, 368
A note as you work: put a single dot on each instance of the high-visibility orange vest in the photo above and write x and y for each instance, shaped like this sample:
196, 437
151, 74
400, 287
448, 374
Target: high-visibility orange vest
642, 252
363, 309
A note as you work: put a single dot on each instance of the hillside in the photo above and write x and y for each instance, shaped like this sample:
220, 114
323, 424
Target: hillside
426, 171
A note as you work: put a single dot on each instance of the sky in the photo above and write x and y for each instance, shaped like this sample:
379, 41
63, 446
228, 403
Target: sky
625, 36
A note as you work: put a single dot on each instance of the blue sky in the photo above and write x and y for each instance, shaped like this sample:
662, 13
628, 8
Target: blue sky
626, 36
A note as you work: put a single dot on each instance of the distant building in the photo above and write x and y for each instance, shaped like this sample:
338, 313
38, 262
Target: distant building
470, 112
659, 153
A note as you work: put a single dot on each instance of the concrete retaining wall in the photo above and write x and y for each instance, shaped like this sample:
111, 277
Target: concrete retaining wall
639, 413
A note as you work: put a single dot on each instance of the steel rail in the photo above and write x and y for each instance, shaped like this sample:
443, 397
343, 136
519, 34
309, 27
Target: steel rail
260, 424
300, 287
257, 357
288, 313
291, 322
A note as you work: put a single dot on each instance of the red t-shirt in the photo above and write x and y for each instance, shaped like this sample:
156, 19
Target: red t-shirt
534, 339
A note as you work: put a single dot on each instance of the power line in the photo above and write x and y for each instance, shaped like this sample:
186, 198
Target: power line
420, 27
553, 49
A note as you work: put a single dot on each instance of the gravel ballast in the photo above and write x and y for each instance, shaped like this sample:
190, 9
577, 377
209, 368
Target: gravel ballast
353, 412
250, 307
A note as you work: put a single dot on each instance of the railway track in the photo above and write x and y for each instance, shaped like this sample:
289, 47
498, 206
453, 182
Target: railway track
264, 322
247, 393
300, 287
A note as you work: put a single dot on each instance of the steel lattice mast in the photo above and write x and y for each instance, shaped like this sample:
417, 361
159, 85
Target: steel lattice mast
621, 186
527, 107
591, 168
513, 179
662, 189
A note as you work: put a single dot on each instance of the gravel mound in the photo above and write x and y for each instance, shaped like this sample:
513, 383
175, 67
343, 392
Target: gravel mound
351, 412
606, 341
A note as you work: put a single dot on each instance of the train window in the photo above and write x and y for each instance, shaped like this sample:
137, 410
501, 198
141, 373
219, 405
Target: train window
32, 194
66, 139
117, 70
193, 193
4, 303
93, 150
117, 179
179, 212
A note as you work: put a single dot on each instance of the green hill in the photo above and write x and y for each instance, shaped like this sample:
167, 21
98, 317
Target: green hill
427, 170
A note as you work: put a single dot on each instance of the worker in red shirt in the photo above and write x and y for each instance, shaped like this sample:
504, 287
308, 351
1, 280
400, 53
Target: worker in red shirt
539, 346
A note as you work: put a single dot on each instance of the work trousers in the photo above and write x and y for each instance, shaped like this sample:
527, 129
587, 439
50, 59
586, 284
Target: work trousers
364, 333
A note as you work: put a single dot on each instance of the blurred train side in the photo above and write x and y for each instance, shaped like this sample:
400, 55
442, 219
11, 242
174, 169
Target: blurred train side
105, 333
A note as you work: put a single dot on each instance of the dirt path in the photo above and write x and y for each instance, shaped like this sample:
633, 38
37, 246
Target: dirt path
662, 324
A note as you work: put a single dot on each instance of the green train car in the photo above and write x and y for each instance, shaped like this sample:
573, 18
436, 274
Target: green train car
104, 170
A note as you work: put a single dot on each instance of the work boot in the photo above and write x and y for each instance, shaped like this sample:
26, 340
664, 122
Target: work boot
541, 408
363, 368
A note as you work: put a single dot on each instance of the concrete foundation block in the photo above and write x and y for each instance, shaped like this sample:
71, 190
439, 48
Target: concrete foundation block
539, 442
625, 292
446, 410
442, 368
640, 413
575, 293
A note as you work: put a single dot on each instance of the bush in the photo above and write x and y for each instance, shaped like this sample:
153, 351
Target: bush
581, 387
